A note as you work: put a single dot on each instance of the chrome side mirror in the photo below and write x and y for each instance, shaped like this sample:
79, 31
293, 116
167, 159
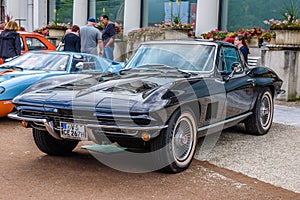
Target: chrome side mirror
236, 67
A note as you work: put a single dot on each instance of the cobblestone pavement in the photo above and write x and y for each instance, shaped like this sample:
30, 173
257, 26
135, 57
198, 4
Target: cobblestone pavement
240, 166
27, 173
288, 115
272, 158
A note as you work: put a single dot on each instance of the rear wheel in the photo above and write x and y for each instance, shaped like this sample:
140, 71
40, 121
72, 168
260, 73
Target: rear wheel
49, 145
175, 147
260, 121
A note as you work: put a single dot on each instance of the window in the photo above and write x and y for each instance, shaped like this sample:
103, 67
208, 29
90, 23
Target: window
114, 9
85, 63
236, 14
60, 11
159, 11
184, 57
228, 55
34, 44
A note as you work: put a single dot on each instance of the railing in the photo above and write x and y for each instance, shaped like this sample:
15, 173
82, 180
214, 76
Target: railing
253, 61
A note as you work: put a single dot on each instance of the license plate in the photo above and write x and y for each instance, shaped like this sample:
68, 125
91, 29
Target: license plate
73, 131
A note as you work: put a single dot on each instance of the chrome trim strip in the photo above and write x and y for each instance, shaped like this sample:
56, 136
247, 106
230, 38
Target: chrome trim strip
48, 124
135, 128
31, 119
50, 129
224, 122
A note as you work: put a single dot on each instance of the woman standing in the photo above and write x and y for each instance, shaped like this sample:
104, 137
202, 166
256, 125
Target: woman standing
240, 42
10, 43
72, 40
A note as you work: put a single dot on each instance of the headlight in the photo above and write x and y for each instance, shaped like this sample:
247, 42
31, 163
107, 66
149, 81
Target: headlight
2, 89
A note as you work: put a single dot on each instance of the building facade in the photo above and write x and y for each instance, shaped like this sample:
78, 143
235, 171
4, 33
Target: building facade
132, 14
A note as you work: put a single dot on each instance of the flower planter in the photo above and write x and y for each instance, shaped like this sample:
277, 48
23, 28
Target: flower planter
173, 34
56, 33
287, 37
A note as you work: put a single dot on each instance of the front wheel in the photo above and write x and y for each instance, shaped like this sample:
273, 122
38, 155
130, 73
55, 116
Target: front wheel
260, 121
49, 145
175, 147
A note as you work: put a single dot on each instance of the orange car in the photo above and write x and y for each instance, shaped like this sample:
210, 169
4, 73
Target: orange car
33, 41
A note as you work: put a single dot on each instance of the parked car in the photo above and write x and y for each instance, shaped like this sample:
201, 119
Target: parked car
169, 94
33, 41
18, 74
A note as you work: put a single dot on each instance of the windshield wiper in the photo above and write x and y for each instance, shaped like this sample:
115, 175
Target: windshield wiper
159, 67
11, 67
169, 67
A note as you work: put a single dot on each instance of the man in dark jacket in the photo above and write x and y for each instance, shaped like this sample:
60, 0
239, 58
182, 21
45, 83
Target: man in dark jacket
108, 37
10, 43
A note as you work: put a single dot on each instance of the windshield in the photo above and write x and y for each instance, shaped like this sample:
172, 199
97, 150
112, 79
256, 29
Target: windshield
40, 61
186, 57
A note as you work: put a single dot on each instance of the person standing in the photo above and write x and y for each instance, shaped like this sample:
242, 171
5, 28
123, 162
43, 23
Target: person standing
240, 42
72, 40
90, 38
10, 42
108, 37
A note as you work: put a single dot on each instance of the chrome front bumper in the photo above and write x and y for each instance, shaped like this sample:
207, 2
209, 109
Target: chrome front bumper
89, 127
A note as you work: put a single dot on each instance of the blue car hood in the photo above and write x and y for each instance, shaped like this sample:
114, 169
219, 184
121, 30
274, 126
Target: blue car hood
20, 82
8, 74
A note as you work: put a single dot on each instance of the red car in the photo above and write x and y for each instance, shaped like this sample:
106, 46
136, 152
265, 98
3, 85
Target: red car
33, 41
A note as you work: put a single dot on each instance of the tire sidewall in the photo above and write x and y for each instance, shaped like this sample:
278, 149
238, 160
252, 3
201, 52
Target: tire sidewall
174, 121
263, 129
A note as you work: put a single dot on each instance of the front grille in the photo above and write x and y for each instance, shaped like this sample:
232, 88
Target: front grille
90, 117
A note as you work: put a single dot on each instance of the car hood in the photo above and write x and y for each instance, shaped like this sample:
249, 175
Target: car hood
119, 91
9, 74
18, 84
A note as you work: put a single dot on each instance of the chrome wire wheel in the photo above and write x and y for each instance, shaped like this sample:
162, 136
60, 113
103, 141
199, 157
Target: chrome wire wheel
260, 121
184, 139
265, 110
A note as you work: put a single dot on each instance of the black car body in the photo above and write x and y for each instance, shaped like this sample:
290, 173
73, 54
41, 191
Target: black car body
169, 94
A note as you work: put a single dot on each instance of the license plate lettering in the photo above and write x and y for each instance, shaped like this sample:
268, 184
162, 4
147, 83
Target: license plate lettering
73, 131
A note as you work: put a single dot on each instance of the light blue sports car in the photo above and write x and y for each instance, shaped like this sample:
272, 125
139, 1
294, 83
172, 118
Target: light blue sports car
20, 73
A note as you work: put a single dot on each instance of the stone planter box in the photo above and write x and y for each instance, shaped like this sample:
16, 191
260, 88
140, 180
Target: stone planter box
287, 37
253, 42
173, 34
56, 33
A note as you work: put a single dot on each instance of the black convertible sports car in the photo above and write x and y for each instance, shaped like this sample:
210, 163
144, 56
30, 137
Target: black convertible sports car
168, 95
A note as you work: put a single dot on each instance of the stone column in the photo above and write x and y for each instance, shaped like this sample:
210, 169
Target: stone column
40, 13
132, 15
207, 16
285, 61
13, 8
80, 12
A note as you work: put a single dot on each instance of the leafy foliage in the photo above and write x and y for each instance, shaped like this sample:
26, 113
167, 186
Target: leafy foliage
249, 13
290, 21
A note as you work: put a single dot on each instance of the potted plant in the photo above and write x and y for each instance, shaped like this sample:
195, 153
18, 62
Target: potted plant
215, 35
267, 36
287, 30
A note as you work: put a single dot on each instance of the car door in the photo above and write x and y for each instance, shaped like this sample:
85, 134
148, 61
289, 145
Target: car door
239, 88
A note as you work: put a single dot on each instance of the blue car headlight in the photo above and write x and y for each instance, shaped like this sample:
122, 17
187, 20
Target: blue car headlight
2, 90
